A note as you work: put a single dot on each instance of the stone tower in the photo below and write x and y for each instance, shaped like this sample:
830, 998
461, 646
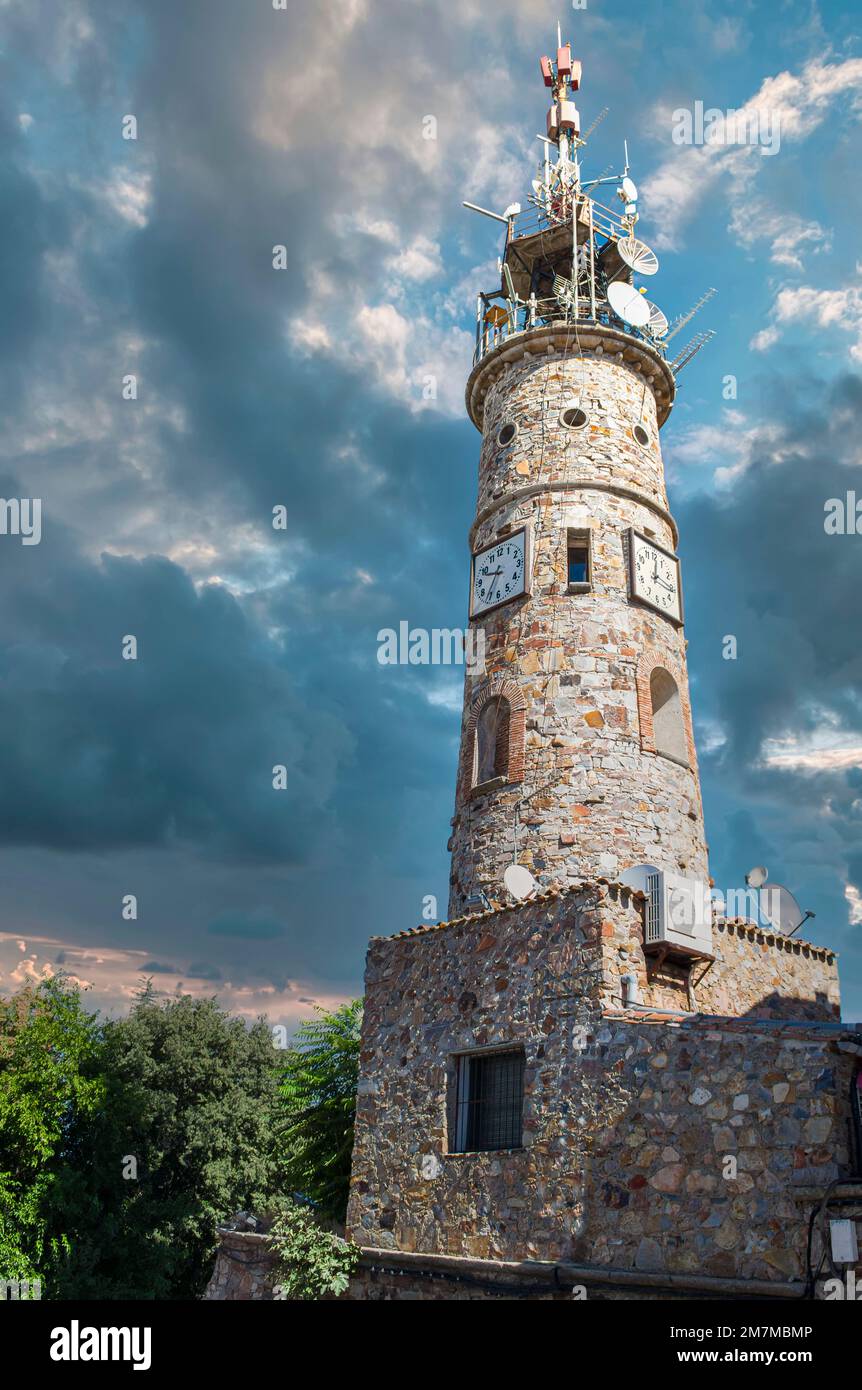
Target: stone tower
550, 1088
577, 753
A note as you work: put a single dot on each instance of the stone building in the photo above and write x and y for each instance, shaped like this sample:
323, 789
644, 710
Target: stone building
572, 1083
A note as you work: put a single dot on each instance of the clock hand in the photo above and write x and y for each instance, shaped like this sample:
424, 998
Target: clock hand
497, 572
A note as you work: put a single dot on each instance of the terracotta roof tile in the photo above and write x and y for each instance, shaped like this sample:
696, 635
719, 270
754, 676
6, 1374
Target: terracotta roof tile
548, 895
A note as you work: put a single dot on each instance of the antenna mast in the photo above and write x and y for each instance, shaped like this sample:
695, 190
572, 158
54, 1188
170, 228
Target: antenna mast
563, 77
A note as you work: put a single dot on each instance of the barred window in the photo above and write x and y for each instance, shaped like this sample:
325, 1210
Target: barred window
856, 1114
489, 1101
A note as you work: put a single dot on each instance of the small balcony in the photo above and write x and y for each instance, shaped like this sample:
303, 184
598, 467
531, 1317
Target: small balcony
499, 319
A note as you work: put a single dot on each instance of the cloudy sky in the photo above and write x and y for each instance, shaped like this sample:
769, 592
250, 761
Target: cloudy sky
307, 388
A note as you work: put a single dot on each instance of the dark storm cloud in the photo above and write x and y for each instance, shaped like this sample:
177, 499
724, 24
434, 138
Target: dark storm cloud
248, 141
247, 928
199, 970
176, 746
762, 568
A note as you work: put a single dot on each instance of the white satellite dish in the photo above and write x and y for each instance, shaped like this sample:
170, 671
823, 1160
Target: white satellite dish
512, 210
780, 908
658, 324
637, 254
627, 190
756, 877
627, 304
520, 882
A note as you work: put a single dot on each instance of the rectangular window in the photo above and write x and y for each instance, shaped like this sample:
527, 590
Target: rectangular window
579, 567
856, 1102
489, 1101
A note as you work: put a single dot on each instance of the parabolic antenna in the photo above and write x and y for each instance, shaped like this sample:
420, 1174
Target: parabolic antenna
756, 877
628, 190
627, 304
780, 908
637, 254
564, 291
520, 882
658, 324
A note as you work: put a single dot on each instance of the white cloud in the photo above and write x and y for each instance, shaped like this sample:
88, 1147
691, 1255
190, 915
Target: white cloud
854, 903
792, 237
416, 360
112, 977
730, 446
829, 748
795, 103
813, 759
418, 261
127, 192
828, 309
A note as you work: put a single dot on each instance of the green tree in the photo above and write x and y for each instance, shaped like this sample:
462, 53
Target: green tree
319, 1080
184, 1139
50, 1083
311, 1262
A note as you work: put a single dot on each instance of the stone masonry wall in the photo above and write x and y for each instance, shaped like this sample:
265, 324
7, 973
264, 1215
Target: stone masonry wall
529, 977
628, 1124
601, 799
686, 1099
756, 974
243, 1269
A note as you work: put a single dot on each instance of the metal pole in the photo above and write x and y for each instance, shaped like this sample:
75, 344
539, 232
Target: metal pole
575, 255
592, 265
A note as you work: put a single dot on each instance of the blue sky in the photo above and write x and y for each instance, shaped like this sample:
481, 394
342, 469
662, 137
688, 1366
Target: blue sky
305, 388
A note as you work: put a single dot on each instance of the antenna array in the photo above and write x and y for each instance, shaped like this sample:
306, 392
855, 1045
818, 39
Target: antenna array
568, 256
687, 318
692, 347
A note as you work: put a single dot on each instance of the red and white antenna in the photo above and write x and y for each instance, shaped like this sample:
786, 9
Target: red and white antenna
563, 77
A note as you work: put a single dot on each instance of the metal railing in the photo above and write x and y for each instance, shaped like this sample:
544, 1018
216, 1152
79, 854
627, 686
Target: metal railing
558, 212
518, 316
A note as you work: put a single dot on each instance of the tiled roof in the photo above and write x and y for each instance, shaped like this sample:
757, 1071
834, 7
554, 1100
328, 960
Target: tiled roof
497, 909
740, 924
640, 1013
746, 927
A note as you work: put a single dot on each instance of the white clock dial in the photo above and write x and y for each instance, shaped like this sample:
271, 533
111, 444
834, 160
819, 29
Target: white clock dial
500, 573
655, 576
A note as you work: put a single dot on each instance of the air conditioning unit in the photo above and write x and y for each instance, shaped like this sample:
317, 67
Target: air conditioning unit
678, 911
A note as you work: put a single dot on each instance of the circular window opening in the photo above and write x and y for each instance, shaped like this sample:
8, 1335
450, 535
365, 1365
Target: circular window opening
574, 418
507, 434
641, 435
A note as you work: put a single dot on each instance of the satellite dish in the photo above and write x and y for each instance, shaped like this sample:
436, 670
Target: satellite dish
638, 255
564, 291
756, 877
520, 882
780, 908
658, 324
512, 210
627, 190
627, 304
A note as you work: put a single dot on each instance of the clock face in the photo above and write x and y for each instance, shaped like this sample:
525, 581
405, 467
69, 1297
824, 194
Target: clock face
654, 576
500, 573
